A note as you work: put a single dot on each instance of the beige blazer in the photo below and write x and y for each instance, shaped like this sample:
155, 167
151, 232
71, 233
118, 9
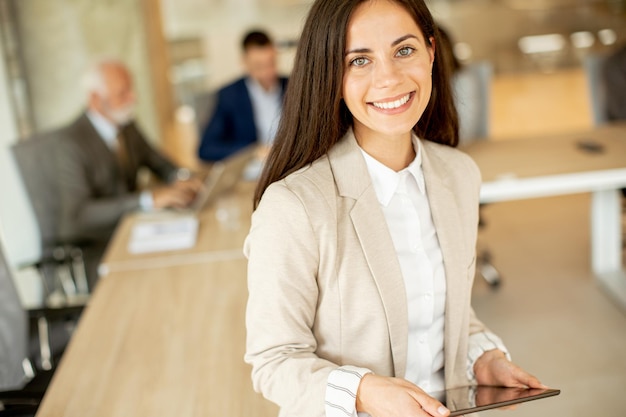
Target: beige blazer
325, 285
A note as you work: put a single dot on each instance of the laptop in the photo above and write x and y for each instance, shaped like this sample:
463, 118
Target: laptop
223, 176
176, 229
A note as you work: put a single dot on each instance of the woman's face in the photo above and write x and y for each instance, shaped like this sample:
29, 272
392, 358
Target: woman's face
388, 63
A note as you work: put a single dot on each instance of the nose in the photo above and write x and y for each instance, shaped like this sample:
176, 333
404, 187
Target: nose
386, 74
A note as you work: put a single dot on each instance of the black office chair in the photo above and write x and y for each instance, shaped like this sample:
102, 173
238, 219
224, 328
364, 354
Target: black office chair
61, 261
203, 104
472, 86
484, 266
593, 65
22, 385
23, 232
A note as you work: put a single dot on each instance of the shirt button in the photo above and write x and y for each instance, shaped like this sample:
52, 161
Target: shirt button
428, 295
421, 340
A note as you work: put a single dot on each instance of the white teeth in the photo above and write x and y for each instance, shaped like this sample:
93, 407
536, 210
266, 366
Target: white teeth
392, 104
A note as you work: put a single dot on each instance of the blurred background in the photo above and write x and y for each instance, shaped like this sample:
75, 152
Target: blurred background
548, 309
179, 48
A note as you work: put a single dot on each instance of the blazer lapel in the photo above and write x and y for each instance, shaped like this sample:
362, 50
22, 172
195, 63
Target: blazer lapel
450, 232
354, 182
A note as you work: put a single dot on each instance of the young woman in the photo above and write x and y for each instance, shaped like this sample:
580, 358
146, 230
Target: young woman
362, 246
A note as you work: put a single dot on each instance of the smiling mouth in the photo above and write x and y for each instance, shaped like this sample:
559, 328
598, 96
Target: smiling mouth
389, 105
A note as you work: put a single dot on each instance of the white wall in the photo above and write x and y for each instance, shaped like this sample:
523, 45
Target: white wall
8, 129
221, 24
59, 38
490, 28
13, 201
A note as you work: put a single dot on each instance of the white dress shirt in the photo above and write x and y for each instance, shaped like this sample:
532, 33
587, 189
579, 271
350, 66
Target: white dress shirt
266, 108
404, 200
106, 129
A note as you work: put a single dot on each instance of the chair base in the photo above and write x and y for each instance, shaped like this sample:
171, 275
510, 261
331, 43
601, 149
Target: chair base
486, 270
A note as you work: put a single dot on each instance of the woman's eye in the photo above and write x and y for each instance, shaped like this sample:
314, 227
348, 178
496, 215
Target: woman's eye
405, 51
359, 62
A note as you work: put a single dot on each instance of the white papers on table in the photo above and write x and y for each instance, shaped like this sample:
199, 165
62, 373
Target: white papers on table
173, 233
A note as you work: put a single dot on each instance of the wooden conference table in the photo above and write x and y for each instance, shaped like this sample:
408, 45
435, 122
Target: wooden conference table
557, 165
164, 334
215, 241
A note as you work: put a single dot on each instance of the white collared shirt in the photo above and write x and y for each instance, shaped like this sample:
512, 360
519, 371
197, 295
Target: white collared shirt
404, 200
266, 108
106, 130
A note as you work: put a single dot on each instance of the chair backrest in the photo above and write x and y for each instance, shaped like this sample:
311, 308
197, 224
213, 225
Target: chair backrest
472, 95
593, 65
37, 166
203, 106
13, 331
18, 224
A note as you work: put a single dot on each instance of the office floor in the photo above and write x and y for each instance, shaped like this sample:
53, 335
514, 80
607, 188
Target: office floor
554, 318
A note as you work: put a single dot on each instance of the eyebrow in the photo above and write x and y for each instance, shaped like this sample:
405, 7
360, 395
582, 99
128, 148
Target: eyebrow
394, 43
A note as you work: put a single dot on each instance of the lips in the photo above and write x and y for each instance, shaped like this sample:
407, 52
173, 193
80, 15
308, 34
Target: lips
390, 105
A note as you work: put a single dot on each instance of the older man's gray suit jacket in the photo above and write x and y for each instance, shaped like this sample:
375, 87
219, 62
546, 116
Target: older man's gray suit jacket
93, 193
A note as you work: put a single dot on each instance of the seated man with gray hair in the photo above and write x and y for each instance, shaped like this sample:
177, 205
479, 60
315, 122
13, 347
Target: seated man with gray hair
99, 156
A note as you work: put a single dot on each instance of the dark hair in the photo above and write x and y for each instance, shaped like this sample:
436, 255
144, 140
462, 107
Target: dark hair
255, 38
315, 117
446, 48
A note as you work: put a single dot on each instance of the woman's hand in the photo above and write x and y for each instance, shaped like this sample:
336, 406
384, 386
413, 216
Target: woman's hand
381, 396
493, 368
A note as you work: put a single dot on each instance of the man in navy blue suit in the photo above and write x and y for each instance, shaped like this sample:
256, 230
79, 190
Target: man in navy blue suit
248, 110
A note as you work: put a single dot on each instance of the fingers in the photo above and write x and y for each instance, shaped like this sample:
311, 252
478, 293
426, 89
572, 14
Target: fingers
529, 380
493, 368
510, 375
172, 197
434, 407
430, 405
193, 184
396, 397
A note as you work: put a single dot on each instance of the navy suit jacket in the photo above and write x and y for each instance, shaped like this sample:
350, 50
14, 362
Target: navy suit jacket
232, 126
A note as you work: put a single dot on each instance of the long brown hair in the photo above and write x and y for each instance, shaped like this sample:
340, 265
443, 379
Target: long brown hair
315, 117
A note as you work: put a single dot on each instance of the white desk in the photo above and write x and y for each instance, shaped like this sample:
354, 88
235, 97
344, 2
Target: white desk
555, 165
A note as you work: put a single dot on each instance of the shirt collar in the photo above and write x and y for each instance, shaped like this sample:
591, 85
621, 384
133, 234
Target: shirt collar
386, 181
106, 129
256, 88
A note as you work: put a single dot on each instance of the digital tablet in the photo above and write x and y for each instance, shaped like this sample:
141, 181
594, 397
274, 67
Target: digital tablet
471, 399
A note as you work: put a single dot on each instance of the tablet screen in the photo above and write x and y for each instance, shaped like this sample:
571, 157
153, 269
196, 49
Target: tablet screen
466, 400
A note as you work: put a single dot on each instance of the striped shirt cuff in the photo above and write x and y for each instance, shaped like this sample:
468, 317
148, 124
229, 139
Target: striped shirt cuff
341, 388
480, 343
